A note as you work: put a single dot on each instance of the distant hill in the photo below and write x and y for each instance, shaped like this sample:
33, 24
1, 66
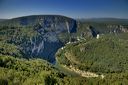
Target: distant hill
2, 20
33, 19
105, 20
102, 26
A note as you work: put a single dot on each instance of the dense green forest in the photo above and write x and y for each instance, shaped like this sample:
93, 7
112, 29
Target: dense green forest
15, 71
107, 56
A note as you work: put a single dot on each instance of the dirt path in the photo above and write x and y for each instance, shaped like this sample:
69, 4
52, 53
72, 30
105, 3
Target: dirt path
83, 73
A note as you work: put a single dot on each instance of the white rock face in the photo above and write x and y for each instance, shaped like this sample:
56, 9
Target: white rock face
40, 47
102, 76
67, 25
98, 36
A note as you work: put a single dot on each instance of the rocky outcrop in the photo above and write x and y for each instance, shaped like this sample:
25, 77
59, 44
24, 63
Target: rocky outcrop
94, 32
118, 28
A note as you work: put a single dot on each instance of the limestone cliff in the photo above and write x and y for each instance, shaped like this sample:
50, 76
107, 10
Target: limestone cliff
38, 36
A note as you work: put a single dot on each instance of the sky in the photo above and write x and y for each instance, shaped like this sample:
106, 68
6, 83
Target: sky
71, 8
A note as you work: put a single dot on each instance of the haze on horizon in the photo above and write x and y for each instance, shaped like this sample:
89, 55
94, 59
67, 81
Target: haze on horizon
70, 8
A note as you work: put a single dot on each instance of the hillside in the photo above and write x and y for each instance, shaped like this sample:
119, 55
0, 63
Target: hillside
101, 26
105, 20
2, 20
97, 51
38, 35
19, 71
104, 56
15, 71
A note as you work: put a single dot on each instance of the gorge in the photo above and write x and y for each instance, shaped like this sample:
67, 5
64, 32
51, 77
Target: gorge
38, 36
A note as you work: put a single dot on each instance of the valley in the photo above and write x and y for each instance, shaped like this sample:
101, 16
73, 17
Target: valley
58, 50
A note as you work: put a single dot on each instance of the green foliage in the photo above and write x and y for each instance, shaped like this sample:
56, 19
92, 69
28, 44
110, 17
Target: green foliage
15, 71
21, 71
9, 49
107, 54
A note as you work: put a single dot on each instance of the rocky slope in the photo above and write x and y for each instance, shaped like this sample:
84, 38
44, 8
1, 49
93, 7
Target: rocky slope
92, 27
38, 36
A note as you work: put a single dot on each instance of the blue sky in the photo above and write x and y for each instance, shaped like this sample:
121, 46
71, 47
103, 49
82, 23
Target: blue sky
70, 8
